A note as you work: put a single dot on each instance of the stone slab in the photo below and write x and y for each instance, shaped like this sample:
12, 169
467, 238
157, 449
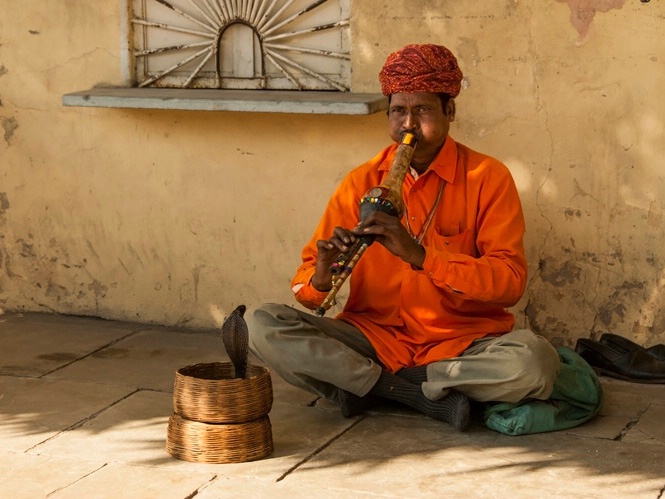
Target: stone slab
149, 360
243, 488
133, 432
650, 429
35, 410
629, 399
137, 482
146, 360
26, 476
406, 457
35, 344
607, 427
97, 426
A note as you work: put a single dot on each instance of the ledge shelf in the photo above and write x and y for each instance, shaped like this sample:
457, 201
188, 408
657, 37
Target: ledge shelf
250, 101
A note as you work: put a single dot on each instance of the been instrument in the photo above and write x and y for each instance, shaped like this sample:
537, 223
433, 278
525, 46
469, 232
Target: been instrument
386, 197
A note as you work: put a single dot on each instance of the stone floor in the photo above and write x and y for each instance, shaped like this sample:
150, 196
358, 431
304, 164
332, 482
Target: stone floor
84, 408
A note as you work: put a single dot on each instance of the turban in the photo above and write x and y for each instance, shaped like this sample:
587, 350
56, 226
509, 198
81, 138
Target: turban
421, 68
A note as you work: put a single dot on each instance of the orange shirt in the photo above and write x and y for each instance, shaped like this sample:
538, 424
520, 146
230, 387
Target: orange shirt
474, 266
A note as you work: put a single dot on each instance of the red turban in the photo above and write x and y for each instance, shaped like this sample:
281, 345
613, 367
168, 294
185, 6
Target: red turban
421, 68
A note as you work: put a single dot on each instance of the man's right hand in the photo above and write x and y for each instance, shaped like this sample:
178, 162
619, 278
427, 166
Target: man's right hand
328, 252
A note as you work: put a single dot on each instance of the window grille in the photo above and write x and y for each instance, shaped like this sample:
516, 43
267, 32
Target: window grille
241, 44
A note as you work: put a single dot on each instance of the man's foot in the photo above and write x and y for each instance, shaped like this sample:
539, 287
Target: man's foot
352, 405
454, 409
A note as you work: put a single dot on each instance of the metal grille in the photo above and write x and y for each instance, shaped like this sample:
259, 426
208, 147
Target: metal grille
250, 44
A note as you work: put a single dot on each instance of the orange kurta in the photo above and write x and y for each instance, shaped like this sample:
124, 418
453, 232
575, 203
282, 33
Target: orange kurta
474, 266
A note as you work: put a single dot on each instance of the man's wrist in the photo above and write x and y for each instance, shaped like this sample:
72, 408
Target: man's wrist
420, 260
322, 286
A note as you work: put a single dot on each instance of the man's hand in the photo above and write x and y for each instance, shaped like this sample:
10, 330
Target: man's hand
390, 232
328, 252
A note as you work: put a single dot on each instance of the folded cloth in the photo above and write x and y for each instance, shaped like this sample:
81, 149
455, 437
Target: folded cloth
616, 341
629, 364
577, 397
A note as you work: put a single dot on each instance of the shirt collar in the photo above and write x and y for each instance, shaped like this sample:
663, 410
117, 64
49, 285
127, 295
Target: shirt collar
445, 163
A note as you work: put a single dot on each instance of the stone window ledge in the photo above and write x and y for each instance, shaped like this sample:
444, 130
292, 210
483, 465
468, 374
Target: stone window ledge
252, 101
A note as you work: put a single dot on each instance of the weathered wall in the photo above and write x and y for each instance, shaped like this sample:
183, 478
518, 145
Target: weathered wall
176, 217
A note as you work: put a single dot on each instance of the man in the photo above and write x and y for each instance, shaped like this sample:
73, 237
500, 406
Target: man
425, 323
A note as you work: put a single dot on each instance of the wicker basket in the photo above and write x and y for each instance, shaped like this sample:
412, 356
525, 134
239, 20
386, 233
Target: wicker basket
219, 443
219, 418
210, 393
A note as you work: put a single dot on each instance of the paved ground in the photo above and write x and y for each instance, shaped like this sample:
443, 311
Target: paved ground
84, 408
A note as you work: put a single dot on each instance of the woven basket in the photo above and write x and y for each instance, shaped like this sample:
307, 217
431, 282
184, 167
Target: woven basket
219, 443
210, 393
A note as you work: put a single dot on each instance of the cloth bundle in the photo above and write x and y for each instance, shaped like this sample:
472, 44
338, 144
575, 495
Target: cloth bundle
577, 397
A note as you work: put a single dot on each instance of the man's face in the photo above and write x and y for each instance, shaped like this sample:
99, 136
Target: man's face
423, 115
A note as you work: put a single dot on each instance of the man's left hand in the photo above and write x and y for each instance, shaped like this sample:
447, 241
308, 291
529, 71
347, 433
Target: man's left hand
390, 233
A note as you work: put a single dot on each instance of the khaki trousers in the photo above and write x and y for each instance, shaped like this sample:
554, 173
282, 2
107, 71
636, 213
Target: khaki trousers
320, 354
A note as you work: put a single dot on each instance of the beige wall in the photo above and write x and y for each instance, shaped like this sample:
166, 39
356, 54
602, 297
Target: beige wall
176, 217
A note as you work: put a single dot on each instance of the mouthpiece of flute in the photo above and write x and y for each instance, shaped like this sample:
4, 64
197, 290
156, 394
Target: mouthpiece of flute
408, 138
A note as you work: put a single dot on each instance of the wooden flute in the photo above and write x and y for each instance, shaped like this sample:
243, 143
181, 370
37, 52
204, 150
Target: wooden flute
386, 197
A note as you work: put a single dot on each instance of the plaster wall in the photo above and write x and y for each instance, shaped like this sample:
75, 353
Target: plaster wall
175, 218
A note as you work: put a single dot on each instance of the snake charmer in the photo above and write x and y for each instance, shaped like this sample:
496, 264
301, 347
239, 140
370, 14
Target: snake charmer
426, 322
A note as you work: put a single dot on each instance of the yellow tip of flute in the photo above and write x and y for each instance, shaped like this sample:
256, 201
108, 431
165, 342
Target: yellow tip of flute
408, 138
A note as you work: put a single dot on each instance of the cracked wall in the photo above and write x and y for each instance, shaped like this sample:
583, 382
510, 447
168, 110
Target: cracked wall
567, 95
177, 217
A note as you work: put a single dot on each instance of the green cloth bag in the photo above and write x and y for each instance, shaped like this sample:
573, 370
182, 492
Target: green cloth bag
577, 397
